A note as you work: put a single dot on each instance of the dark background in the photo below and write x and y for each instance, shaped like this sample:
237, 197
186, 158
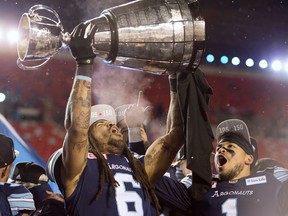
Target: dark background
244, 28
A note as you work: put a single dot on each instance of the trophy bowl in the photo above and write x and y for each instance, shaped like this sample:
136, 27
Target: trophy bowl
40, 37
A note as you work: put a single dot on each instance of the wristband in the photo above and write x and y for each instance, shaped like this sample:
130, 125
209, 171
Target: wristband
173, 84
81, 77
137, 147
134, 134
84, 70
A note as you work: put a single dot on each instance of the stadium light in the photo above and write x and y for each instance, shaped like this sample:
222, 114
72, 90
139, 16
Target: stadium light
224, 59
210, 58
286, 67
2, 97
235, 61
249, 62
263, 64
12, 36
276, 65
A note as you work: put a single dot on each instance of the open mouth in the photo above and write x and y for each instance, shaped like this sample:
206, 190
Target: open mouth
221, 160
115, 130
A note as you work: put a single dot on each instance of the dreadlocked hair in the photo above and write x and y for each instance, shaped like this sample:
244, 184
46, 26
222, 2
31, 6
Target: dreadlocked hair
105, 173
140, 176
139, 173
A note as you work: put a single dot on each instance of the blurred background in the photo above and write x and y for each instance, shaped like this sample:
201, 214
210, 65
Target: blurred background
245, 62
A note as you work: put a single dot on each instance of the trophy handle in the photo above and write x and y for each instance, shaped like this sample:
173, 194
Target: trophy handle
25, 67
38, 17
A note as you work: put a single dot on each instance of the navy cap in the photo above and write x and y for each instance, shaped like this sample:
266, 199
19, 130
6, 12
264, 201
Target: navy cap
7, 152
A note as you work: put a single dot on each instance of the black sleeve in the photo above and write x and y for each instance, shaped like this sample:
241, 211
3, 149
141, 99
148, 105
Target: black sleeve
137, 147
53, 207
174, 195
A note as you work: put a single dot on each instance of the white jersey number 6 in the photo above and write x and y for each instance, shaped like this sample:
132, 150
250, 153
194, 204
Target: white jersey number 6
125, 197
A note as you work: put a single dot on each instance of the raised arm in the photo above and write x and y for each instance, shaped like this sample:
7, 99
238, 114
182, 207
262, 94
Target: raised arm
77, 117
162, 152
134, 117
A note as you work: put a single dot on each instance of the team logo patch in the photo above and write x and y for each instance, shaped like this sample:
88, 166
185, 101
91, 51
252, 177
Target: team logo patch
256, 180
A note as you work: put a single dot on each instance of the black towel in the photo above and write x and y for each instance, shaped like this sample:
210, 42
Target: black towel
194, 93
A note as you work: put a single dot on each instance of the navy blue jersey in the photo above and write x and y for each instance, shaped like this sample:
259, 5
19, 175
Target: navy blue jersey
259, 194
130, 198
174, 195
19, 197
5, 209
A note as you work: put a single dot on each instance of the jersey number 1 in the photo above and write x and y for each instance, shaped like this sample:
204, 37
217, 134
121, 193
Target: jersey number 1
229, 207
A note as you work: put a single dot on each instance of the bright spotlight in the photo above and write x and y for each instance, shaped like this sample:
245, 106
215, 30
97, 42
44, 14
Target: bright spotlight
12, 36
276, 65
235, 61
210, 58
224, 59
263, 64
286, 67
249, 62
2, 97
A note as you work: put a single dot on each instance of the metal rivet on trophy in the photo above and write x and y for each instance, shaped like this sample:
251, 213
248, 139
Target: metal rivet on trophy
159, 36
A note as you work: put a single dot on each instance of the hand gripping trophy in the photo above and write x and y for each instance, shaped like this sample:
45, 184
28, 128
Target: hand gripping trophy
155, 36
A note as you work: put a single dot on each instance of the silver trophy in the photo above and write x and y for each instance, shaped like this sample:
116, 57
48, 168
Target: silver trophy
154, 36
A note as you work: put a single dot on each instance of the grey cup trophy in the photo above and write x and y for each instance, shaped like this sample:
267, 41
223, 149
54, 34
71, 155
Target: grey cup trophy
159, 36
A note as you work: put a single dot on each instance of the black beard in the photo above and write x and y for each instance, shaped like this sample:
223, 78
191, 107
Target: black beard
232, 173
118, 144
